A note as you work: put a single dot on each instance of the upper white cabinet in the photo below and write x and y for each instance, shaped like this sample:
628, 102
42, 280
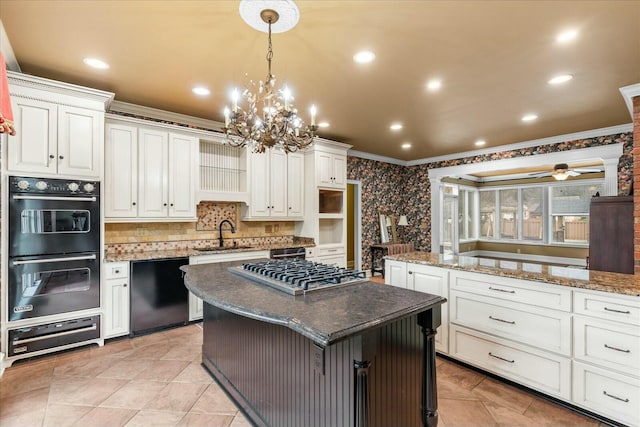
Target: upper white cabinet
276, 186
59, 128
150, 174
331, 170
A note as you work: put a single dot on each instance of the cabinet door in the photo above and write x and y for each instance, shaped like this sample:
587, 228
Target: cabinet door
80, 133
121, 171
395, 273
259, 197
152, 173
324, 169
116, 305
337, 260
339, 171
195, 307
278, 183
295, 184
433, 281
183, 154
34, 147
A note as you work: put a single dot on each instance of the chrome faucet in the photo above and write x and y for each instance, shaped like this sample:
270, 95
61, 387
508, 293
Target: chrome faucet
233, 230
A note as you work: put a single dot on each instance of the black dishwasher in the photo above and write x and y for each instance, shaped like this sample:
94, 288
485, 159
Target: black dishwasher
159, 298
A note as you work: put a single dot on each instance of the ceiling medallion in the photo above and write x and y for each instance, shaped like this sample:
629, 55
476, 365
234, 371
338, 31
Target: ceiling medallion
267, 119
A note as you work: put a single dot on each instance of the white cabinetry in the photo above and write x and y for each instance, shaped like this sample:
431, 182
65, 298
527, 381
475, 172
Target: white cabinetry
331, 170
150, 174
427, 279
59, 128
115, 293
326, 222
606, 341
513, 328
276, 185
195, 303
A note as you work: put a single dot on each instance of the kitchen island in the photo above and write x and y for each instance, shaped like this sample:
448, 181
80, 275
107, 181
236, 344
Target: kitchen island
358, 355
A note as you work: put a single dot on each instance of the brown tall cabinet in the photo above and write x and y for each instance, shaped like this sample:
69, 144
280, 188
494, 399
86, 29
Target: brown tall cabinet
611, 234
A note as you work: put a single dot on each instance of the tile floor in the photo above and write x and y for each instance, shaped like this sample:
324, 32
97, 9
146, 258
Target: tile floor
157, 380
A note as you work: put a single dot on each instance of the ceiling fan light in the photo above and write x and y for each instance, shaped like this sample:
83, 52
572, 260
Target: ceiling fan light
560, 176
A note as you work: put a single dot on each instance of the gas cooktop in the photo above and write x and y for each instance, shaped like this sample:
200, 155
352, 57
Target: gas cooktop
297, 276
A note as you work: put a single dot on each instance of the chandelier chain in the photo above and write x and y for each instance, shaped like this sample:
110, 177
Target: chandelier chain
269, 52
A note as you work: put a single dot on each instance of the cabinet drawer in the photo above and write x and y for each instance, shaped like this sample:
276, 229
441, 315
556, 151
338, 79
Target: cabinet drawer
611, 307
537, 369
534, 326
612, 395
534, 293
329, 251
116, 270
610, 344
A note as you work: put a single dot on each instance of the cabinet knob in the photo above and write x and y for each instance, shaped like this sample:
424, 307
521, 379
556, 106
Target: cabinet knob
289, 207
164, 204
134, 203
124, 286
117, 271
171, 204
61, 157
411, 272
51, 156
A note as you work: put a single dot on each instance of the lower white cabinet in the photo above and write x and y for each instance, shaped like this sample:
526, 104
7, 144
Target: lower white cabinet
115, 292
423, 278
195, 303
613, 395
540, 370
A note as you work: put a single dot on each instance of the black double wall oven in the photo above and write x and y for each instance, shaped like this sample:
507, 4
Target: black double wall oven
54, 258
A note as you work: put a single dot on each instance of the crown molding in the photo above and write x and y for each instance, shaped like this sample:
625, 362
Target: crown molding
166, 116
369, 156
7, 51
528, 144
630, 92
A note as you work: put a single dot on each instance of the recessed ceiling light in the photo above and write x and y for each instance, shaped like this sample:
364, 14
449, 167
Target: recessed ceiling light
323, 124
566, 36
395, 126
434, 85
406, 145
96, 63
480, 142
201, 91
562, 78
364, 57
529, 117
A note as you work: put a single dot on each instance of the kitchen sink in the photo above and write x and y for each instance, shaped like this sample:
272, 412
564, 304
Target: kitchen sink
223, 249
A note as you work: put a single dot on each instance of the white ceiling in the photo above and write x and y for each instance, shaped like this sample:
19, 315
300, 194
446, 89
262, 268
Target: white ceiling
494, 59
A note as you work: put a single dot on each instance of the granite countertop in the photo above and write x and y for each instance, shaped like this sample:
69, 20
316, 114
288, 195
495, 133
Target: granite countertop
184, 252
324, 316
625, 284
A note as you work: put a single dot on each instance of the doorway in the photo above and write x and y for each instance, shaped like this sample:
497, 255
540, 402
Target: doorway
354, 225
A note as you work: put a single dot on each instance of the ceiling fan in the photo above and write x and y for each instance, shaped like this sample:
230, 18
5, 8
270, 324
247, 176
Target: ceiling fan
561, 171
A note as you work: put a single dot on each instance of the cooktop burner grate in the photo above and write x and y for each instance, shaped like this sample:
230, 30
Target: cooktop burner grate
297, 276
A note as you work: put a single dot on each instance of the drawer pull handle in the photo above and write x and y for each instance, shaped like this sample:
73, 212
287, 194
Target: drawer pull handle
501, 358
617, 311
502, 290
617, 349
615, 397
503, 321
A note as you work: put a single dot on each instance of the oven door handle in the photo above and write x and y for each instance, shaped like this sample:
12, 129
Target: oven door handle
40, 261
56, 335
64, 199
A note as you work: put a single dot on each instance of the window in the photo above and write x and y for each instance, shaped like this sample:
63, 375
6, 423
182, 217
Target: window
569, 212
487, 214
508, 213
533, 214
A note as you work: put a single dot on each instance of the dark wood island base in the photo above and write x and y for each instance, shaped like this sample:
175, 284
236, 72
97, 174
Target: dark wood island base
383, 377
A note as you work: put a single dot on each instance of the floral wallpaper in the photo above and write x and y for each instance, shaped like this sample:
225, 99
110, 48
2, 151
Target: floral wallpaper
406, 190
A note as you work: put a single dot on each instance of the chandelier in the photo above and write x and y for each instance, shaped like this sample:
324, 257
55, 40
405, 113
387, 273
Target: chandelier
268, 118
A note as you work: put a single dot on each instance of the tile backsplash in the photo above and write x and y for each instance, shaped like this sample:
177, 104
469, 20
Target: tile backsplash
133, 237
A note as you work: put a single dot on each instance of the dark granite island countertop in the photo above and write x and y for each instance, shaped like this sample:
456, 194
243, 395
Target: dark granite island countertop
359, 355
324, 316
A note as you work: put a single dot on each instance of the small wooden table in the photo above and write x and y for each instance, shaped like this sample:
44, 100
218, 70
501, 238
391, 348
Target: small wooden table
383, 249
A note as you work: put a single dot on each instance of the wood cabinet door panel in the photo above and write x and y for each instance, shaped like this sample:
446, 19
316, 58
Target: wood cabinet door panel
34, 147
